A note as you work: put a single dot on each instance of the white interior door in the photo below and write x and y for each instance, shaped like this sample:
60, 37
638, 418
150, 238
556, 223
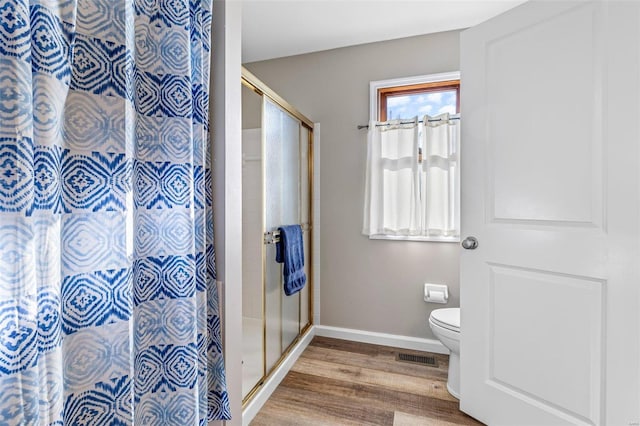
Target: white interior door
550, 187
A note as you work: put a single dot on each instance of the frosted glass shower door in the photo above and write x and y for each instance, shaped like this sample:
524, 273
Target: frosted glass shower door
282, 207
305, 218
252, 214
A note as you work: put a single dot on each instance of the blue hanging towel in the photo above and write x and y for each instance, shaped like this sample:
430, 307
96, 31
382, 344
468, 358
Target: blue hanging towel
290, 251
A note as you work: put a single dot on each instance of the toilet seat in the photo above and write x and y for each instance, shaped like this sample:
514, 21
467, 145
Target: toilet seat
448, 318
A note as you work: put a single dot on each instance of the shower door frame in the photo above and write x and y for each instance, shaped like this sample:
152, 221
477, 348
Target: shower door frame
253, 83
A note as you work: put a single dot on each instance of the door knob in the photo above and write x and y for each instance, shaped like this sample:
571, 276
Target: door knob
470, 243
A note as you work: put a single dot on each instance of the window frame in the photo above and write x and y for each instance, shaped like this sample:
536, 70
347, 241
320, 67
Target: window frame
408, 85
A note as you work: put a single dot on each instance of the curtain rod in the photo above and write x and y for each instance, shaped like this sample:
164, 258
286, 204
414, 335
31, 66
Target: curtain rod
366, 126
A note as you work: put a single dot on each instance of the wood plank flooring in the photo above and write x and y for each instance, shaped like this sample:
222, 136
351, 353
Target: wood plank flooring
339, 382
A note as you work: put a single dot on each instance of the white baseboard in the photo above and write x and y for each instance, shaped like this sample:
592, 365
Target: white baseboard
270, 385
384, 339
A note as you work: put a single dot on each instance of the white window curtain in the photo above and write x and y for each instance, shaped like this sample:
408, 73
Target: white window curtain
412, 179
439, 177
391, 197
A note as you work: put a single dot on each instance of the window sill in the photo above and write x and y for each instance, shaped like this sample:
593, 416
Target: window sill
455, 239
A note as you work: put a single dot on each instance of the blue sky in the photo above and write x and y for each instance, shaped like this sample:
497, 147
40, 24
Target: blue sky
408, 106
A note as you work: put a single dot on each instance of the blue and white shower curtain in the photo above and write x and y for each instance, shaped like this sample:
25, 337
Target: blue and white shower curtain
108, 299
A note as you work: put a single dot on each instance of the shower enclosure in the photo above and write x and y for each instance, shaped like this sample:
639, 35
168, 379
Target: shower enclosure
277, 144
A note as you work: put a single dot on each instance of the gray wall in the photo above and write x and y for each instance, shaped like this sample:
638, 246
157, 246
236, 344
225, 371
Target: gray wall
371, 285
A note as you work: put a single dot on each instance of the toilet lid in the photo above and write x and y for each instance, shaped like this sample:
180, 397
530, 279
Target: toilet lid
448, 318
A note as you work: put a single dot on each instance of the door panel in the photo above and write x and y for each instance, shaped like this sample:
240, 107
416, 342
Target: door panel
283, 179
555, 118
291, 183
561, 349
550, 187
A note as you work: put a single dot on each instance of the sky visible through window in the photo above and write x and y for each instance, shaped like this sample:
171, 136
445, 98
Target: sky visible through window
419, 104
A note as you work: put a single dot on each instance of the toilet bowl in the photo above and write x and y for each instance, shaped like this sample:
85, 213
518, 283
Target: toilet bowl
445, 324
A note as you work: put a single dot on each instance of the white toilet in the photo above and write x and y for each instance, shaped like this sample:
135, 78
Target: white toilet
445, 324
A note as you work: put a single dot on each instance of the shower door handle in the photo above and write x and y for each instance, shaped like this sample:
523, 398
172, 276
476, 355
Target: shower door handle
470, 243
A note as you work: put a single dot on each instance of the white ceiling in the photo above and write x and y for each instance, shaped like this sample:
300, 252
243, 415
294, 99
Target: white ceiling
278, 28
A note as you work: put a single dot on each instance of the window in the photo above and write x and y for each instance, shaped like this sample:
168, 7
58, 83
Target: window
412, 182
413, 100
414, 96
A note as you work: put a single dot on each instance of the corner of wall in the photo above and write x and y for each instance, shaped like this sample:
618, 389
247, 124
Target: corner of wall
226, 107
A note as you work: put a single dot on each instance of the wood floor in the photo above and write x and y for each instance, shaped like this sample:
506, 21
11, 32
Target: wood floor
339, 382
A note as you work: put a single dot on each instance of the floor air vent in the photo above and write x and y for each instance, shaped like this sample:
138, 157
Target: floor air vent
417, 359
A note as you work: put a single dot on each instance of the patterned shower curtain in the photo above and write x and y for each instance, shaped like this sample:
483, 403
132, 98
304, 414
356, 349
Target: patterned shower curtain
108, 299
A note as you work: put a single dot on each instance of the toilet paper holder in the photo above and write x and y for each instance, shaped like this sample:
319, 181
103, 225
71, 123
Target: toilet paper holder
436, 293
